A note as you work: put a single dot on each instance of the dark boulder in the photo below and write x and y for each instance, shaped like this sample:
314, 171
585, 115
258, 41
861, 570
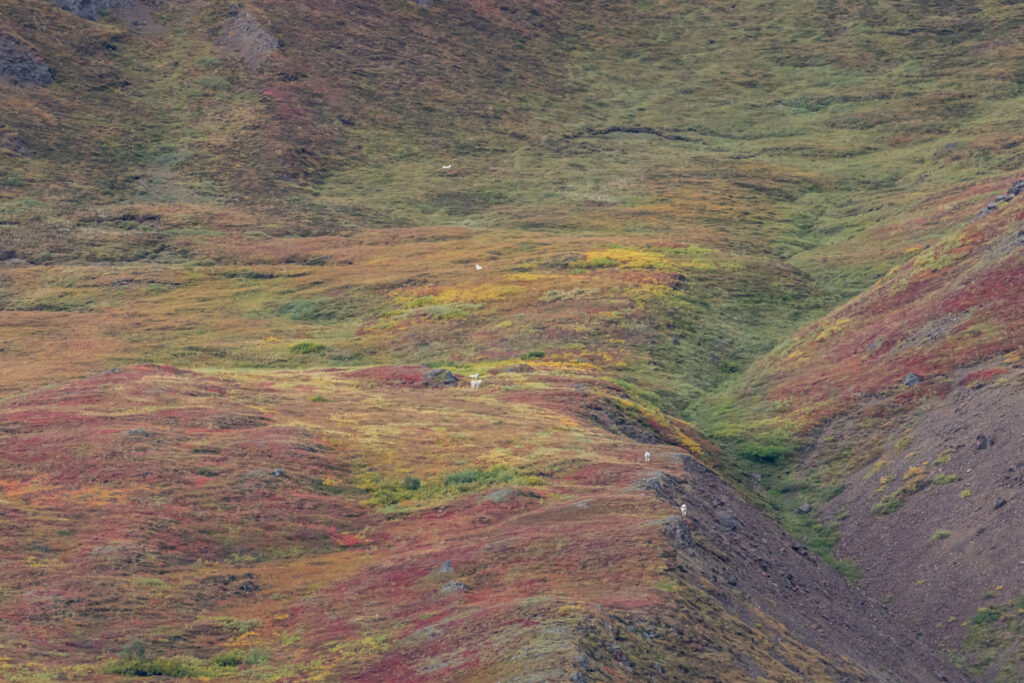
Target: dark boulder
439, 377
20, 65
727, 519
911, 379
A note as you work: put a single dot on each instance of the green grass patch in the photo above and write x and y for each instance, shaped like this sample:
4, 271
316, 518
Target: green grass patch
385, 492
306, 347
888, 505
314, 310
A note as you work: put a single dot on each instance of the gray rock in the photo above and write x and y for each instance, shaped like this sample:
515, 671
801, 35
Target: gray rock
278, 473
15, 144
89, 9
439, 377
911, 379
453, 586
20, 65
503, 495
727, 519
983, 442
242, 36
424, 3
1000, 502
803, 509
445, 567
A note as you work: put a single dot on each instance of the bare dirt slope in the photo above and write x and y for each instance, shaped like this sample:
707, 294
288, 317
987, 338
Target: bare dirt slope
953, 476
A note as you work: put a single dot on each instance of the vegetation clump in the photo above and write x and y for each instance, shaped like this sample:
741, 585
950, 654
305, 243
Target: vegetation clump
386, 492
306, 347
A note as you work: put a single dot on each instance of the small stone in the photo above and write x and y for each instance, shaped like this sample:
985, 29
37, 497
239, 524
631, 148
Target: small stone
453, 586
803, 509
911, 379
277, 473
445, 567
983, 442
1000, 502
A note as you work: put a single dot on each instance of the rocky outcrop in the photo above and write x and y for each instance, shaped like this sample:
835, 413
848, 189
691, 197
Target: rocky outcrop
747, 561
89, 9
13, 143
245, 38
20, 65
1015, 189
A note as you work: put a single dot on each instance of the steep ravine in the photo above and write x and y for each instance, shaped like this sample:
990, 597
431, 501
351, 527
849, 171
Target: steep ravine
751, 566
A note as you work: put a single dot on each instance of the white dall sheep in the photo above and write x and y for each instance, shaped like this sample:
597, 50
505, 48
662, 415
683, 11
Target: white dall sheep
647, 456
476, 383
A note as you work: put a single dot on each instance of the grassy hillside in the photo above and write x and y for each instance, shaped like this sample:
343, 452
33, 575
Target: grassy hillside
616, 213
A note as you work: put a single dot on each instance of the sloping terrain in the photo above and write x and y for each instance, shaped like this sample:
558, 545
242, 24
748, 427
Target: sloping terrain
286, 224
253, 526
909, 403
